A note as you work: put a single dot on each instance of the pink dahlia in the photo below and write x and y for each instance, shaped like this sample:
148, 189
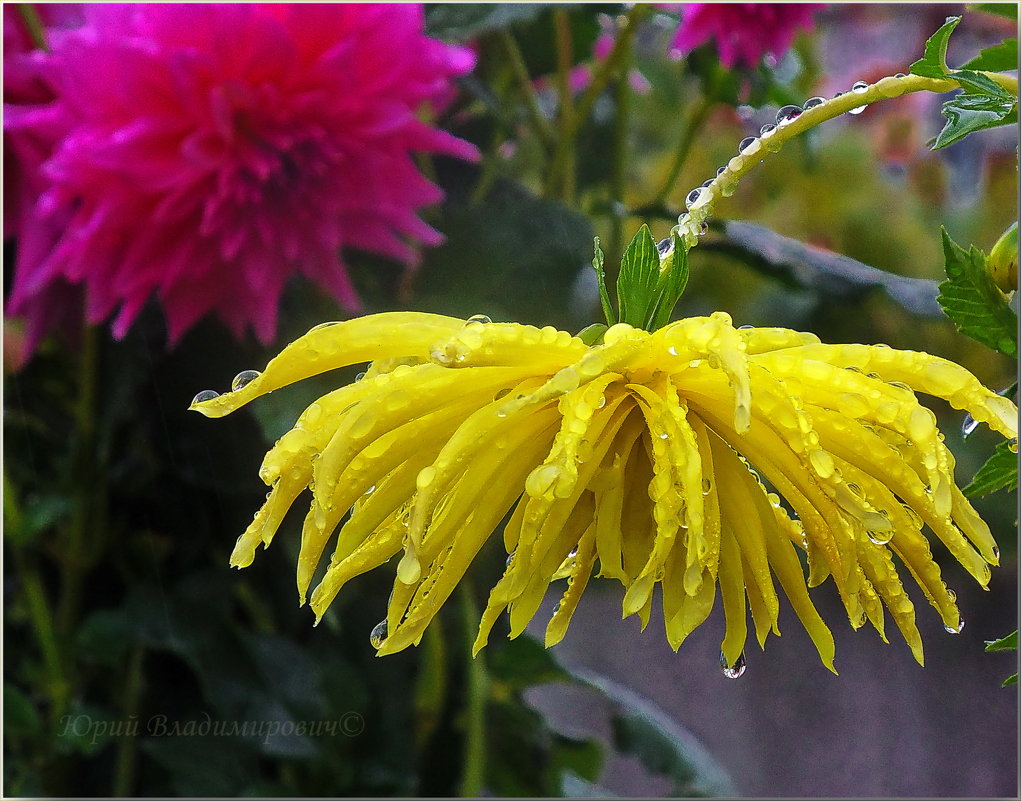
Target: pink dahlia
744, 32
207, 152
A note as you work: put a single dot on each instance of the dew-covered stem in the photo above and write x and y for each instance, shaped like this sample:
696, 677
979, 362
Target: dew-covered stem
752, 150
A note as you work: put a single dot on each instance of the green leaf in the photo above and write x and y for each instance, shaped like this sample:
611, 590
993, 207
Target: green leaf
670, 286
834, 275
1008, 10
598, 264
1008, 643
969, 113
971, 300
462, 21
999, 472
639, 274
523, 662
934, 63
978, 83
660, 743
1009, 680
21, 718
997, 58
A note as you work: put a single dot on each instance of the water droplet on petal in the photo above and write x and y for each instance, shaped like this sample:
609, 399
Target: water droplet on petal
360, 376
323, 325
879, 537
478, 318
707, 485
244, 378
378, 634
787, 115
205, 395
746, 144
693, 197
812, 102
736, 670
510, 558
958, 630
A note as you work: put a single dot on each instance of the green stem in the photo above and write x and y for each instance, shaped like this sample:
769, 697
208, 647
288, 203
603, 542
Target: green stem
723, 185
696, 118
600, 78
74, 561
527, 89
127, 746
565, 120
618, 174
477, 690
33, 24
58, 688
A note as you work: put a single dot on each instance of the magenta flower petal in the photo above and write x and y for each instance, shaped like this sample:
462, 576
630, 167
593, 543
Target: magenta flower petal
744, 32
203, 154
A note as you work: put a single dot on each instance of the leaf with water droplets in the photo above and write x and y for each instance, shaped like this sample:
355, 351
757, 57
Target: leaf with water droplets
999, 472
970, 298
1008, 643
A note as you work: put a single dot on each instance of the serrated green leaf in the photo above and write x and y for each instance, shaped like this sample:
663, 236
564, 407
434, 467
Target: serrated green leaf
1008, 643
670, 285
976, 83
997, 58
1009, 680
969, 113
598, 264
999, 472
971, 300
639, 274
934, 63
1008, 10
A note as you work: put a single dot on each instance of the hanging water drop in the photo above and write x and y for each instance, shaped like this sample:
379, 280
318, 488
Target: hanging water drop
958, 630
378, 634
856, 110
736, 670
969, 425
812, 102
879, 537
478, 318
693, 197
205, 395
787, 115
243, 379
1012, 444
746, 144
703, 228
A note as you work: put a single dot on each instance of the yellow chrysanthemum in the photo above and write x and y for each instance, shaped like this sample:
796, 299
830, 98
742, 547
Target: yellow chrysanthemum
647, 458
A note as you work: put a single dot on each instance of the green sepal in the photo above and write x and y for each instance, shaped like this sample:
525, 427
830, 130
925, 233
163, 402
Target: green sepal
639, 275
972, 301
672, 281
999, 472
934, 63
598, 261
